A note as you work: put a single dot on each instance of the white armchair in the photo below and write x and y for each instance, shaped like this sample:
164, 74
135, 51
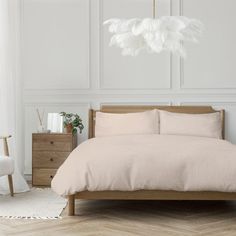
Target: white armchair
7, 164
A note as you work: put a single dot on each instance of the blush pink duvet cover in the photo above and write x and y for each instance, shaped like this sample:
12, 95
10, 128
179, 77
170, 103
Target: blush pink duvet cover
149, 162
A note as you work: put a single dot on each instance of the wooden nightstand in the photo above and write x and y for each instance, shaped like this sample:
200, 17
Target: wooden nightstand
49, 151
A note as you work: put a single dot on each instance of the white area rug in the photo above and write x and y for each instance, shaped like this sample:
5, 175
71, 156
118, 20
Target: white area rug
36, 204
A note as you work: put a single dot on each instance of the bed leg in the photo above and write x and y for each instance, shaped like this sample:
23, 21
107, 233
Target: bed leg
71, 207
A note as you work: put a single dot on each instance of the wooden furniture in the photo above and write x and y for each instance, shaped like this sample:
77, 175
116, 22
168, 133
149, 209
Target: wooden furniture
49, 151
149, 194
6, 155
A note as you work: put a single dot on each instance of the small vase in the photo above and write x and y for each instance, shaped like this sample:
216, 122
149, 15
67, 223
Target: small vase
40, 129
69, 128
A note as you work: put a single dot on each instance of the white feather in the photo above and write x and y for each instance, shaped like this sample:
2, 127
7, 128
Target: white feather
154, 35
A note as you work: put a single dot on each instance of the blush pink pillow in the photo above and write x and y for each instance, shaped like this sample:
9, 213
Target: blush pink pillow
203, 125
109, 124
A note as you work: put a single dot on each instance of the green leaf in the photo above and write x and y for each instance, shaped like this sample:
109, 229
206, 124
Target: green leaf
74, 119
74, 131
62, 113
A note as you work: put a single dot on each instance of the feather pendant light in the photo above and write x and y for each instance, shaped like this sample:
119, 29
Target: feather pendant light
154, 35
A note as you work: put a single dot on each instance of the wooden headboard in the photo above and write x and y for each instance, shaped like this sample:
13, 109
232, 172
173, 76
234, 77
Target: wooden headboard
128, 109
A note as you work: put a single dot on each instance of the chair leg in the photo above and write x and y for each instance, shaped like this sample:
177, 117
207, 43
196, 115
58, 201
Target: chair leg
11, 185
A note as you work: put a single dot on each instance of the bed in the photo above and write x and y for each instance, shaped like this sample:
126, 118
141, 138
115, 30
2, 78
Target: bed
154, 194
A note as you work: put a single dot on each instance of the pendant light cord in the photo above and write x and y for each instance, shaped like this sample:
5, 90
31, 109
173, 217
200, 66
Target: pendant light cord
154, 9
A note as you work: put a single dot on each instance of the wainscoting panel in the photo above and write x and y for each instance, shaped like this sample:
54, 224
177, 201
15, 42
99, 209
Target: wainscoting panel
55, 44
145, 71
211, 63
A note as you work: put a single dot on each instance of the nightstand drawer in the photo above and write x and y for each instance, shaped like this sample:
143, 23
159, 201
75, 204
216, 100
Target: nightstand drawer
49, 151
43, 177
48, 159
52, 143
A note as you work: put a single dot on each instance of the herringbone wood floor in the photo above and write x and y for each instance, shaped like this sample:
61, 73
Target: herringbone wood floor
121, 218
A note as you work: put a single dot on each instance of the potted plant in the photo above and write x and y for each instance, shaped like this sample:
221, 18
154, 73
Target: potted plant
72, 122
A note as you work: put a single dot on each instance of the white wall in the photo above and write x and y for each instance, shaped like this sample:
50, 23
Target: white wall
67, 64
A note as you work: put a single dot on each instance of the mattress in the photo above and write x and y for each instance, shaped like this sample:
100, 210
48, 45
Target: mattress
148, 162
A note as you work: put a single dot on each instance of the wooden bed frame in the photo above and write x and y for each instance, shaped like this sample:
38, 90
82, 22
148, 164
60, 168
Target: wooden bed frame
149, 194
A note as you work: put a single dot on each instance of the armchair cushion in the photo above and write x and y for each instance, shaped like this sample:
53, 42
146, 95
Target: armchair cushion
6, 165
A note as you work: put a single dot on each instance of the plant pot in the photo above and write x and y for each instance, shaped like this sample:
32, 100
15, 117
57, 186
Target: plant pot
69, 128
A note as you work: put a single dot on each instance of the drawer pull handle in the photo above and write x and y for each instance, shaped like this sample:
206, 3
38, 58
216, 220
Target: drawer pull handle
51, 176
52, 142
51, 159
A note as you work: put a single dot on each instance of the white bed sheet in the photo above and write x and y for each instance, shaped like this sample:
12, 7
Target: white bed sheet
149, 162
